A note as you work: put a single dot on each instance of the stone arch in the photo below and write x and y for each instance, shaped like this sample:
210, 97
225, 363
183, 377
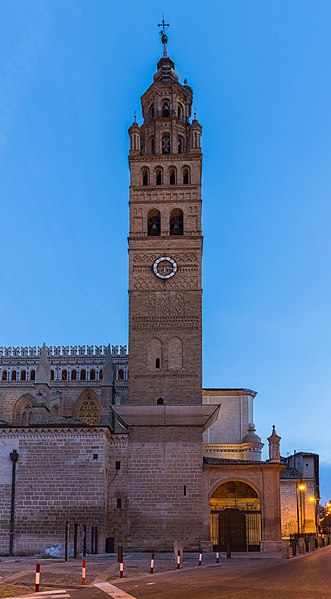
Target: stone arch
175, 353
154, 354
88, 408
22, 408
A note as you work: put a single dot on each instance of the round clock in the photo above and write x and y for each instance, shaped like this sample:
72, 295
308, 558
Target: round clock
164, 267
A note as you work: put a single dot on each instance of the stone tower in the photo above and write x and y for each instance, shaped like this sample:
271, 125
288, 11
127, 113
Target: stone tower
165, 245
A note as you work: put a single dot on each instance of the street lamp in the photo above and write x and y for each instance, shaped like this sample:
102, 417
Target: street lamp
300, 488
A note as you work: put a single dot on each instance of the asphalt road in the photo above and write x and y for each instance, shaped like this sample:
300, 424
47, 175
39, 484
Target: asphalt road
304, 577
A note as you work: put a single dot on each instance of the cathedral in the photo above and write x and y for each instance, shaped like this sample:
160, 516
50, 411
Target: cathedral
127, 448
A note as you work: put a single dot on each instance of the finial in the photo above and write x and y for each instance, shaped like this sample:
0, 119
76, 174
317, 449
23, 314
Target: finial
135, 116
185, 81
164, 38
195, 113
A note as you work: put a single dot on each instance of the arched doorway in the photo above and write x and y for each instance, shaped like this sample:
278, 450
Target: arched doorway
235, 513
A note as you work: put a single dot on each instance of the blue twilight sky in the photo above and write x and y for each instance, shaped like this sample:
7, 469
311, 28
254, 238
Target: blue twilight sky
71, 75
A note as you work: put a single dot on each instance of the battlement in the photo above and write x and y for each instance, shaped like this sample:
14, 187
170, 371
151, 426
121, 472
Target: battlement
65, 350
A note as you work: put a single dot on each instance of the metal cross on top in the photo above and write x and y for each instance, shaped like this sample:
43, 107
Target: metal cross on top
164, 26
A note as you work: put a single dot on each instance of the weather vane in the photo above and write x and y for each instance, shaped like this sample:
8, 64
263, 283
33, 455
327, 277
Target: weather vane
164, 38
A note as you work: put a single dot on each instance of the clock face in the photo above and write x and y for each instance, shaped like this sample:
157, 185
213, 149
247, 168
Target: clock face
164, 267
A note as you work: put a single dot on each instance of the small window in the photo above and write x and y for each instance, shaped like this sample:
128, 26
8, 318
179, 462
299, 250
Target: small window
166, 109
4, 375
157, 363
180, 111
172, 176
64, 375
186, 176
101, 375
180, 144
184, 490
176, 222
52, 375
145, 177
95, 456
92, 375
119, 503
32, 375
151, 111
160, 401
152, 145
158, 176
83, 375
23, 375
120, 375
13, 375
74, 375
117, 465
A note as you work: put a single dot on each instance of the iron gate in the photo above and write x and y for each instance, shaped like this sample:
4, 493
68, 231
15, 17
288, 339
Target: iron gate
241, 529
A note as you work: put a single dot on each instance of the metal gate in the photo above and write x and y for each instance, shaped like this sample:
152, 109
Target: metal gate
241, 529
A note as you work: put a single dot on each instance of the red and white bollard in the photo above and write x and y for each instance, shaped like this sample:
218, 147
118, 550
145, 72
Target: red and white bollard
178, 560
217, 557
121, 568
37, 584
200, 558
152, 564
83, 571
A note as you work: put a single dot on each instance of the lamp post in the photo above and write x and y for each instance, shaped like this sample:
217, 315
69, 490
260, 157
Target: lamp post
300, 488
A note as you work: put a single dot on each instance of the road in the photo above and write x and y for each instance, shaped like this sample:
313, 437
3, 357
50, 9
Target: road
305, 577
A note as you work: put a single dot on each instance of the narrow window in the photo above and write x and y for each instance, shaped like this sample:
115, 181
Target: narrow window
166, 109
52, 375
119, 503
172, 176
92, 375
4, 375
180, 111
117, 465
64, 375
152, 145
32, 375
83, 375
160, 401
166, 143
157, 363
145, 176
158, 176
74, 375
23, 375
120, 375
176, 222
151, 111
180, 145
153, 223
13, 375
101, 375
95, 456
184, 490
186, 176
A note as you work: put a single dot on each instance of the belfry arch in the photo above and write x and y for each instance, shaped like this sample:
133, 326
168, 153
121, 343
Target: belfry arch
235, 516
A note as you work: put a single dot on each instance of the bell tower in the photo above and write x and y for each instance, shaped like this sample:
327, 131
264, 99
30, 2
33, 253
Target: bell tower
165, 245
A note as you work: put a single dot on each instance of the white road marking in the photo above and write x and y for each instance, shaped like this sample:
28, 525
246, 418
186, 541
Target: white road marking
115, 592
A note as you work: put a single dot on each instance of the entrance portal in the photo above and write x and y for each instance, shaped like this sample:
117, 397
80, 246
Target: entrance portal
235, 517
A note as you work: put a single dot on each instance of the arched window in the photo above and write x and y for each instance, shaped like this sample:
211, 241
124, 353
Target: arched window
83, 375
74, 375
152, 145
145, 176
13, 375
180, 144
160, 401
23, 375
120, 375
154, 353
101, 375
166, 143
92, 375
172, 176
4, 375
180, 111
151, 111
157, 363
52, 375
32, 375
176, 222
165, 108
64, 375
154, 223
158, 176
186, 175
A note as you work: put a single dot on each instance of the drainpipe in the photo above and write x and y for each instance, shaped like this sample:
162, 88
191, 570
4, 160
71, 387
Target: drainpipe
14, 457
